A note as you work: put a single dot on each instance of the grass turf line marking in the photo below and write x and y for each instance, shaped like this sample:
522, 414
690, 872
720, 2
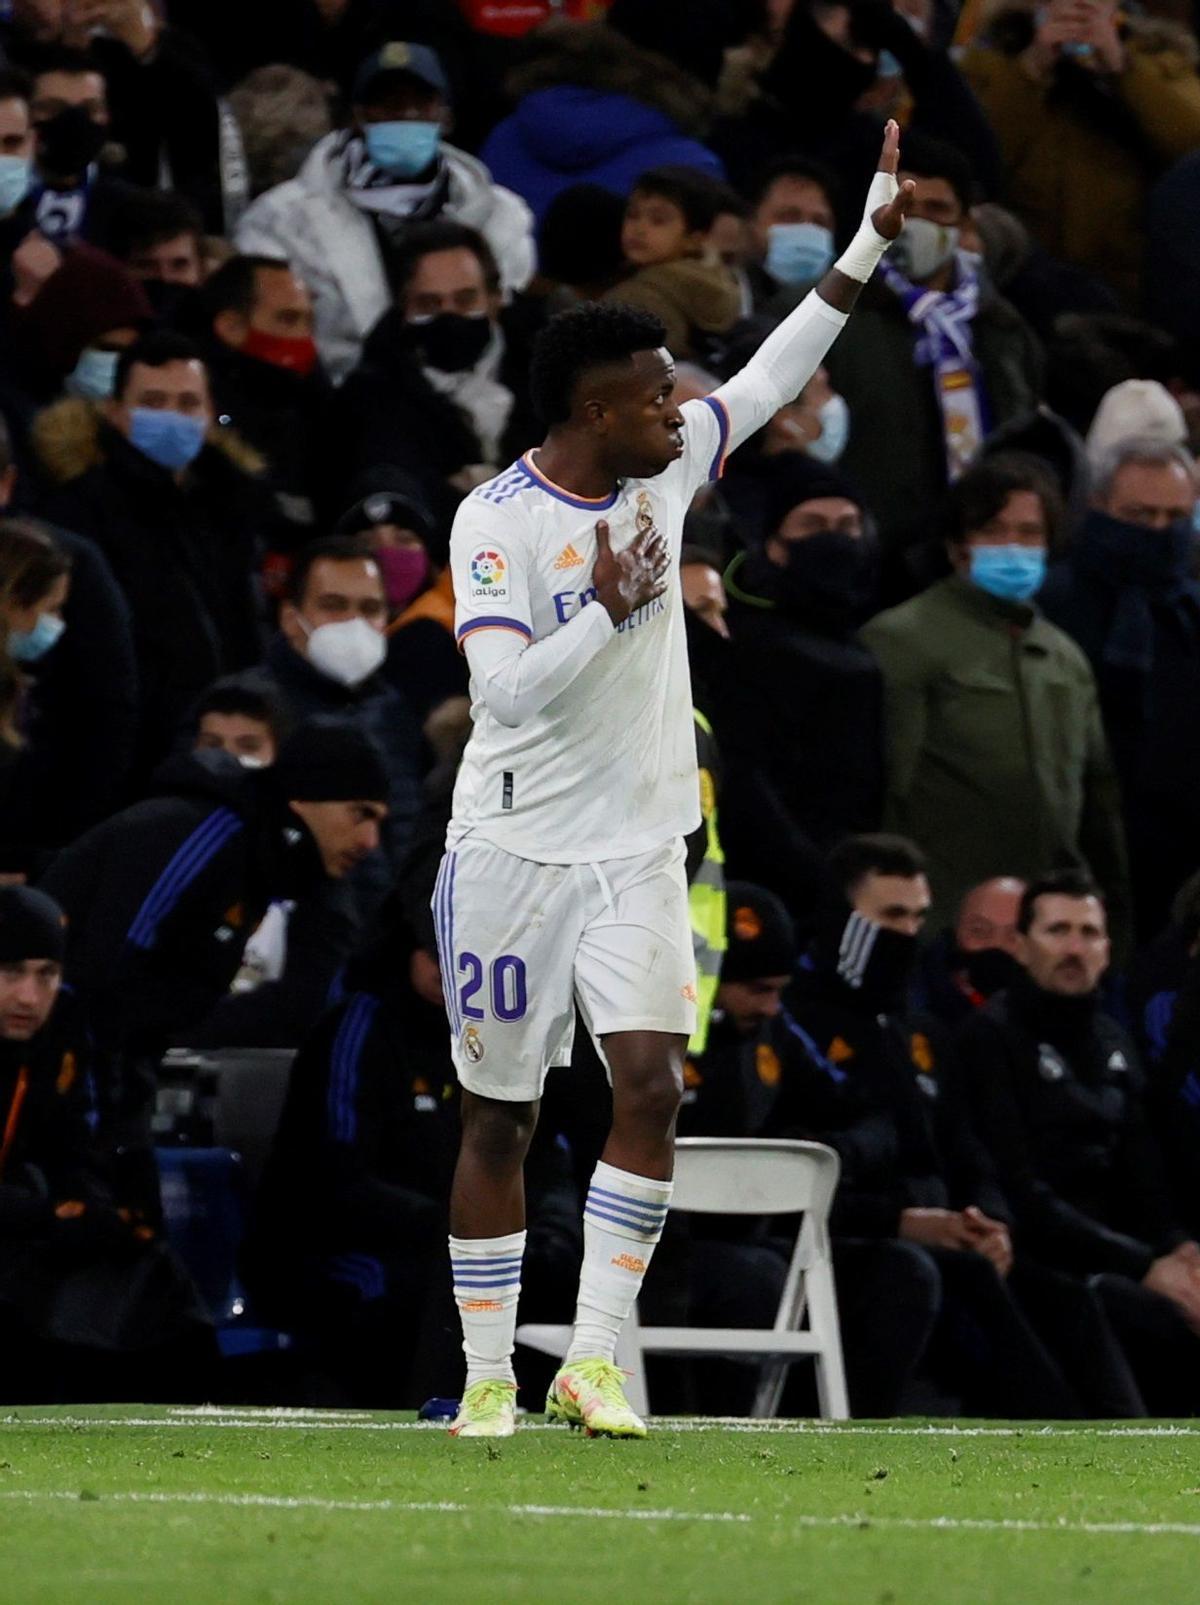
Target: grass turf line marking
248, 1420
1145, 1529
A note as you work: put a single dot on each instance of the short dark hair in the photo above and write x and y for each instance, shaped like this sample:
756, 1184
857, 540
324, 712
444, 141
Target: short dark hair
1073, 882
150, 217
155, 350
935, 158
252, 697
856, 857
590, 335
234, 286
700, 198
30, 561
61, 58
423, 239
983, 491
335, 549
15, 85
797, 166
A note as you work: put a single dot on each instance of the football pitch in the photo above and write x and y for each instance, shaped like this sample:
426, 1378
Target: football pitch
129, 1506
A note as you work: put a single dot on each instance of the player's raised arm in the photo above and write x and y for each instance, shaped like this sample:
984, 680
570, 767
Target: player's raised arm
792, 353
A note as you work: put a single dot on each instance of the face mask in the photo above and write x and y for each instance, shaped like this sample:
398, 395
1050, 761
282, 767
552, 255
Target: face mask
404, 571
798, 253
249, 761
14, 182
170, 439
875, 962
1013, 573
1158, 560
923, 248
94, 375
990, 970
829, 579
294, 353
835, 431
349, 651
402, 149
67, 144
451, 342
27, 646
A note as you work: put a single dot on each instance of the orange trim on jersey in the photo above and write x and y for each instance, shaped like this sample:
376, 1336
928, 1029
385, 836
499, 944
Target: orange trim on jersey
561, 491
718, 468
477, 629
14, 1115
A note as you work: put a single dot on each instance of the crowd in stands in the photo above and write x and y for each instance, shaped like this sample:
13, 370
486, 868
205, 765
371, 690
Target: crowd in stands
270, 277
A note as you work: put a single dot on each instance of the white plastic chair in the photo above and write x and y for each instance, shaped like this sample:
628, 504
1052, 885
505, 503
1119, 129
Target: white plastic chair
746, 1176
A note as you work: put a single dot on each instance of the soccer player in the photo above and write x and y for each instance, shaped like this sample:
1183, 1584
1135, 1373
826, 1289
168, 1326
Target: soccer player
563, 879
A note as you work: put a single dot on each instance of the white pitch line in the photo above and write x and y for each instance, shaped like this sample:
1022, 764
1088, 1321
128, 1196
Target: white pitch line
443, 1507
333, 1422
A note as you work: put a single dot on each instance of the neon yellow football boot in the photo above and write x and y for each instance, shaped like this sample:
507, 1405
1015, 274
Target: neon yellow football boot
488, 1410
591, 1394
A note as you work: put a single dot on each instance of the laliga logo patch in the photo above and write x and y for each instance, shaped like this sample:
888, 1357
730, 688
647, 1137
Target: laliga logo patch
489, 575
472, 1046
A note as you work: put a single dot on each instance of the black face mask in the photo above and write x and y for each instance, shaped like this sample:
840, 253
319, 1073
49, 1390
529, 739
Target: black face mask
1130, 554
829, 580
874, 962
451, 342
177, 306
69, 142
989, 970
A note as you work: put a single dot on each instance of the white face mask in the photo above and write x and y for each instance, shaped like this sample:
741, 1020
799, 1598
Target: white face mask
923, 248
250, 760
349, 651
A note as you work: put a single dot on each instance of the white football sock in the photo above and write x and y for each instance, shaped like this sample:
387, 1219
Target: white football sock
487, 1284
622, 1221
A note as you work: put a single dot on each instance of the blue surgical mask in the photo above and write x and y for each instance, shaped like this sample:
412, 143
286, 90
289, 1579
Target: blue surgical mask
171, 439
27, 646
835, 431
402, 149
95, 374
14, 182
887, 66
1014, 573
798, 253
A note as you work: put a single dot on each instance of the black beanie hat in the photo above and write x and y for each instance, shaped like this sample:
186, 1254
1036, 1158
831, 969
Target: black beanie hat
32, 926
326, 760
792, 477
762, 938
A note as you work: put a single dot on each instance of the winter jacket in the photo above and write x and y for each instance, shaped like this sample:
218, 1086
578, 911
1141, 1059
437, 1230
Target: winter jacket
332, 245
1080, 152
1056, 1092
996, 758
594, 109
692, 297
184, 554
896, 453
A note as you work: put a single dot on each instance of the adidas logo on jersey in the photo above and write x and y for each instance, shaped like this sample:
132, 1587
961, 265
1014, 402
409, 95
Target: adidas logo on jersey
568, 558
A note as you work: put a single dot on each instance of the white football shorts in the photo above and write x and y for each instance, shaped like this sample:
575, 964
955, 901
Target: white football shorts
521, 943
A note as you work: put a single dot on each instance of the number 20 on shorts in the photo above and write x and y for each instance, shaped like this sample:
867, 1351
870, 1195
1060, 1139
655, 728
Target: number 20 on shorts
506, 986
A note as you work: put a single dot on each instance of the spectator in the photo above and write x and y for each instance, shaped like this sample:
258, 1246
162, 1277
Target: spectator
341, 221
87, 1292
956, 360
161, 495
16, 168
792, 224
591, 108
1057, 1092
162, 897
327, 659
1088, 106
397, 523
281, 113
1125, 593
1135, 409
242, 716
670, 270
434, 392
160, 237
996, 757
861, 1072
963, 967
267, 385
69, 107
579, 242
1038, 285
75, 769
802, 702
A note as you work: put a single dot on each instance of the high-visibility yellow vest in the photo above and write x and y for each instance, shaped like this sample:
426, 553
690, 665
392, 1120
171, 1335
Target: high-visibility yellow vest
706, 903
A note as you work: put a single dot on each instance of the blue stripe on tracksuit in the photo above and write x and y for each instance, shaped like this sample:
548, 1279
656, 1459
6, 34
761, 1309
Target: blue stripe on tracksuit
443, 922
346, 1056
189, 861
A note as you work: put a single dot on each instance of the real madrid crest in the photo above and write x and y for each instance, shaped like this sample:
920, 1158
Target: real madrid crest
644, 518
472, 1044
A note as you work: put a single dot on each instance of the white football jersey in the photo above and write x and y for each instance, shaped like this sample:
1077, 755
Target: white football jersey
607, 769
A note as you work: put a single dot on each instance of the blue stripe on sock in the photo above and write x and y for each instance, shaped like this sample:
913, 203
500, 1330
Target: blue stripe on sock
486, 1264
598, 1214
635, 1205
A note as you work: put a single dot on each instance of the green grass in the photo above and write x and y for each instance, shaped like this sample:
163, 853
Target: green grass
185, 1510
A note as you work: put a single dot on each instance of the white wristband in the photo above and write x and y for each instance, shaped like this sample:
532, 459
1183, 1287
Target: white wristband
861, 257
